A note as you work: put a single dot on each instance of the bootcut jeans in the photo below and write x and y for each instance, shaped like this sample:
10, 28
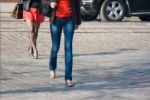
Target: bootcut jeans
68, 26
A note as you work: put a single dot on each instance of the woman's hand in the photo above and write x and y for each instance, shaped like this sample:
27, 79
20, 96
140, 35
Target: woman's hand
53, 5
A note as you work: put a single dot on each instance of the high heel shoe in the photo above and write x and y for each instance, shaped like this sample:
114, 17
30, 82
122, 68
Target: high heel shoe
52, 74
69, 83
30, 49
35, 55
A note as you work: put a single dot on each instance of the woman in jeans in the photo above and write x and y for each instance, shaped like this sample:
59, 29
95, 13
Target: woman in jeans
66, 17
33, 19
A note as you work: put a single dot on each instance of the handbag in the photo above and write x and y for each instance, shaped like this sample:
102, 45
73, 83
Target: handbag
26, 4
17, 12
45, 9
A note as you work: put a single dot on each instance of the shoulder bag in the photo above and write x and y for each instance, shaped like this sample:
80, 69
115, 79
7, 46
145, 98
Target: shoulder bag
17, 12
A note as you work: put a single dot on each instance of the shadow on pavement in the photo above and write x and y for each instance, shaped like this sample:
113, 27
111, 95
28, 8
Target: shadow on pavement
99, 79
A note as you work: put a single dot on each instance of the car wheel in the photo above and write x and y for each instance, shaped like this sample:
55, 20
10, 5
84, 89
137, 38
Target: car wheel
112, 10
88, 17
145, 18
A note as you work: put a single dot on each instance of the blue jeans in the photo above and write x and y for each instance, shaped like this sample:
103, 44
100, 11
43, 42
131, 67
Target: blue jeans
67, 25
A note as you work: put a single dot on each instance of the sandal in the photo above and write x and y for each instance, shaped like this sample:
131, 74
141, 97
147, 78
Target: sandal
69, 83
30, 49
35, 55
52, 74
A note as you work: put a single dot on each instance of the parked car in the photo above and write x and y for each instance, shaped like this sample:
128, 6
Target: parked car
115, 10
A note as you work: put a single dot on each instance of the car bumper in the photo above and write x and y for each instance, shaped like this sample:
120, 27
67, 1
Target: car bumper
87, 7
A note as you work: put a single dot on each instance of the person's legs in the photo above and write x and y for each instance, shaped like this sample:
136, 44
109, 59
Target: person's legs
31, 33
68, 34
56, 29
31, 27
37, 26
36, 29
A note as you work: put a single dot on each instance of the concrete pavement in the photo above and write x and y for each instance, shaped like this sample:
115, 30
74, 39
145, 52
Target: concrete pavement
111, 62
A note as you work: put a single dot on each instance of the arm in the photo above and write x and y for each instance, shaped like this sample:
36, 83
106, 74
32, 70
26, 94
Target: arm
77, 8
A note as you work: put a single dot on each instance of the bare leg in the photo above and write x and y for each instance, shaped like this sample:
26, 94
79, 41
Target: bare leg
32, 36
30, 27
37, 26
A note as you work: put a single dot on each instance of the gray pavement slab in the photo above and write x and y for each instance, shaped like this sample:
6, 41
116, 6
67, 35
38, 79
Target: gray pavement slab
111, 62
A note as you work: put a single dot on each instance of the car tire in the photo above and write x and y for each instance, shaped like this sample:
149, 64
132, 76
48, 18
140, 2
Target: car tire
145, 18
112, 10
88, 17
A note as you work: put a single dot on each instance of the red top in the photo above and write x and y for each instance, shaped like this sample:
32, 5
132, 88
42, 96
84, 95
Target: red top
63, 8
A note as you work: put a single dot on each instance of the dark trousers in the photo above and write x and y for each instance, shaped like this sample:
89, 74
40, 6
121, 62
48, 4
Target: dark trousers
67, 25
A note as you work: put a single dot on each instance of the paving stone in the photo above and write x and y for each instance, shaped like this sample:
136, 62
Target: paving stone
111, 62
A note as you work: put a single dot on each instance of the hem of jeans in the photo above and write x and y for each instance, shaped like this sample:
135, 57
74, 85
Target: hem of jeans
52, 69
68, 79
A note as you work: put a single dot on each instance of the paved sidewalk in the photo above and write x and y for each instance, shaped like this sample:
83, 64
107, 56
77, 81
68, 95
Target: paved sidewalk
111, 62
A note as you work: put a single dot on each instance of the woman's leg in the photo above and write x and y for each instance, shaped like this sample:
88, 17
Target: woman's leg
32, 35
36, 29
37, 26
68, 34
30, 27
56, 30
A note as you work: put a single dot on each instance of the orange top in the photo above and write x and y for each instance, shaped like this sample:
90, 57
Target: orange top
63, 8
